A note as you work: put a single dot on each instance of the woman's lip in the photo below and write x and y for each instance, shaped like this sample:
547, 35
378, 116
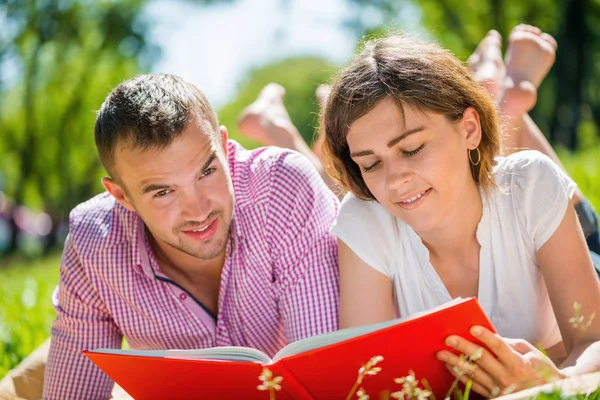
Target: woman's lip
416, 203
413, 194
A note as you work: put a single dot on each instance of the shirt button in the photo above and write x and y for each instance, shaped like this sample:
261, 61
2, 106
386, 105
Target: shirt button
183, 296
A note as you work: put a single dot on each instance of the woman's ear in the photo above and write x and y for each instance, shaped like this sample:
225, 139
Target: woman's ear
471, 127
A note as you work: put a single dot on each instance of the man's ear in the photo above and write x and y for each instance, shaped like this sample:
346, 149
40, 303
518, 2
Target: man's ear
472, 127
118, 192
224, 136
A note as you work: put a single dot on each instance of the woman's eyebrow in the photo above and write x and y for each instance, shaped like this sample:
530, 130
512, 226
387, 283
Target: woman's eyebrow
391, 143
402, 136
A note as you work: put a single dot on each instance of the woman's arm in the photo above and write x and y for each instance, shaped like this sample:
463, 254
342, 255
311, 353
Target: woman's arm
570, 278
366, 295
516, 364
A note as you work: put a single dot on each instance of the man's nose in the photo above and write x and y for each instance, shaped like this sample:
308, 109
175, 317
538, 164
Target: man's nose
195, 205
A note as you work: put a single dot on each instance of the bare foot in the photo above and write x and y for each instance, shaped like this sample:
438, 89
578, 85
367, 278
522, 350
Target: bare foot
266, 120
487, 64
529, 57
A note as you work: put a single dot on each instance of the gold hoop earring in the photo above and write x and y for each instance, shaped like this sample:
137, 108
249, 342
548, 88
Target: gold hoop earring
478, 156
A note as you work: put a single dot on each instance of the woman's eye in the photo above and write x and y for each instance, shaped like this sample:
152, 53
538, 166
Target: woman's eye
370, 167
410, 153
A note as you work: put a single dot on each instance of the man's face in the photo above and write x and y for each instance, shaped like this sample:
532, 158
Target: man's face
183, 193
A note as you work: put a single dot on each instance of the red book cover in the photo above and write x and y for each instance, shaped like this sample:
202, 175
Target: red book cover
321, 367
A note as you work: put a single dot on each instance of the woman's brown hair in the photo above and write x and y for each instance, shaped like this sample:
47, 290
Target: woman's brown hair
413, 73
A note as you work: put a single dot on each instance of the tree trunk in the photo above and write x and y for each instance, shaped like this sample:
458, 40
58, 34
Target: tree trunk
571, 73
579, 41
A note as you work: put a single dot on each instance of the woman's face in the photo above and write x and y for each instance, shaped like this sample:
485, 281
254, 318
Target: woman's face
416, 167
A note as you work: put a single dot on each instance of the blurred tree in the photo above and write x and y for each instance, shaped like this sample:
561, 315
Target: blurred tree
569, 97
299, 76
67, 54
62, 57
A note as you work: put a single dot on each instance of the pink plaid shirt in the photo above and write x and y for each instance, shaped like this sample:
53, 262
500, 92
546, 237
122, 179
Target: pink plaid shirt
279, 283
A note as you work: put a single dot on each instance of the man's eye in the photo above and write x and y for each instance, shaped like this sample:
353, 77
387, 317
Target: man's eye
208, 172
162, 193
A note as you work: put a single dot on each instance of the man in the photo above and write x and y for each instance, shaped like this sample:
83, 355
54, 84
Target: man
196, 242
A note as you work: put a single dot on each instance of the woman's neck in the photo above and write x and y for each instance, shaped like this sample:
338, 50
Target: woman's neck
456, 233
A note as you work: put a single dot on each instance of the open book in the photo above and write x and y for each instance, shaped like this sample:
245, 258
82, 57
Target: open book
321, 367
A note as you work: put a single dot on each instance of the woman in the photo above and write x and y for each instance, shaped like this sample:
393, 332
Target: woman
433, 214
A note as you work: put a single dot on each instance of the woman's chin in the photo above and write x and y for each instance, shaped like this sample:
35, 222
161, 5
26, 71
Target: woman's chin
419, 223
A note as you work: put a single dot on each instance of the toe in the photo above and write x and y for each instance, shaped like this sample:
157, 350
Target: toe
529, 28
473, 60
494, 33
548, 38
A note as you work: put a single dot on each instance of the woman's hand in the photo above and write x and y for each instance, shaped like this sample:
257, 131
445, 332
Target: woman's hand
511, 365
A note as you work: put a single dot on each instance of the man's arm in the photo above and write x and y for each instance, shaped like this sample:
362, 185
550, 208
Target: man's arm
309, 306
82, 323
306, 269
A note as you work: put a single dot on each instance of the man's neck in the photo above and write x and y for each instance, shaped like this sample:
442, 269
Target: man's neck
201, 278
190, 267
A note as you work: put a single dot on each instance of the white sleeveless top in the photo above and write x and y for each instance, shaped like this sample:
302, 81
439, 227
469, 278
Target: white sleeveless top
518, 218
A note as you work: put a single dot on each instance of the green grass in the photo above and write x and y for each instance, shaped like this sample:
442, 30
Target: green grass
26, 311
584, 168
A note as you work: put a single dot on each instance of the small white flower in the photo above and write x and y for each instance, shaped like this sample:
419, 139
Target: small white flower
477, 355
398, 395
269, 382
361, 394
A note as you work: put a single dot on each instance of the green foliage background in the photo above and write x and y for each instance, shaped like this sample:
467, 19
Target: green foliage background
71, 53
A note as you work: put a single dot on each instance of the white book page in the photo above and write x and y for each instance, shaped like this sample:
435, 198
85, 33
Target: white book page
225, 353
316, 342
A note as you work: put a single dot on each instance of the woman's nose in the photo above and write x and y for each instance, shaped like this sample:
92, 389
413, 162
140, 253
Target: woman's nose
397, 175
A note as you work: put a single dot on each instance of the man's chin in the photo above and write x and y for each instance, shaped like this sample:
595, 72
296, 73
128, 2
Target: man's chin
205, 252
216, 250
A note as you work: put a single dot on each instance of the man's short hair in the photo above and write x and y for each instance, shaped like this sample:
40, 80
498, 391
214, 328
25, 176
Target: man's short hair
149, 112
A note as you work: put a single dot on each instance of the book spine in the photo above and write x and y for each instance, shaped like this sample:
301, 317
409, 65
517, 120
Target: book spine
291, 385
